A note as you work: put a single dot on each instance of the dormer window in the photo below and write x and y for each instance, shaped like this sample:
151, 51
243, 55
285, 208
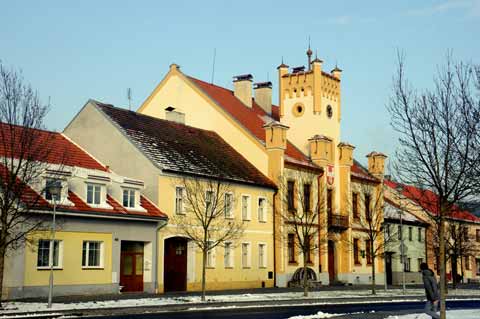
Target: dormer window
94, 194
129, 198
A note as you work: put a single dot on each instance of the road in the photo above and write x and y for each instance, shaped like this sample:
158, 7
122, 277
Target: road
353, 311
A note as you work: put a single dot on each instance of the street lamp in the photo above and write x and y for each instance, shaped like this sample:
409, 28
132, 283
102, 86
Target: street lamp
55, 189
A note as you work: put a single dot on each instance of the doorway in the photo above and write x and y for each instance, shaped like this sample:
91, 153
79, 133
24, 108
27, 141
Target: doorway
175, 264
131, 266
388, 267
331, 262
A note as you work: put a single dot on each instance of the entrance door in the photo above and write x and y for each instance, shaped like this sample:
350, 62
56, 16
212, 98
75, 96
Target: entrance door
175, 264
131, 266
331, 262
388, 267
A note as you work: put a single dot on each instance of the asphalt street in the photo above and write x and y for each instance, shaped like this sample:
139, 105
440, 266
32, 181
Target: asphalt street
351, 311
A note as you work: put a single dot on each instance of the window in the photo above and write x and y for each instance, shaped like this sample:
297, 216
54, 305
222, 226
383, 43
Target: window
92, 254
420, 261
246, 259
368, 247
329, 201
467, 263
228, 205
477, 262
329, 111
368, 213
306, 197
308, 248
291, 195
478, 235
465, 234
128, 198
355, 206
356, 256
210, 255
387, 232
228, 255
245, 207
291, 248
419, 234
407, 264
45, 256
49, 184
179, 193
399, 232
93, 194
410, 233
209, 202
262, 207
262, 255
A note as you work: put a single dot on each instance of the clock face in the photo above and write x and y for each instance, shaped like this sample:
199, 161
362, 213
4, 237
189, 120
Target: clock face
329, 111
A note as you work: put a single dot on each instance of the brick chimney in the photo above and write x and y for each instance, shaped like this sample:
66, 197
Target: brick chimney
242, 88
263, 96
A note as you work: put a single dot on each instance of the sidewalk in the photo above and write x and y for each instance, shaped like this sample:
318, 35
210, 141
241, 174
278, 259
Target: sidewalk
272, 297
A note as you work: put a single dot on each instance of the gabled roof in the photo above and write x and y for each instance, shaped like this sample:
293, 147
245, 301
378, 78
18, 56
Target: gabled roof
50, 147
253, 119
184, 149
429, 201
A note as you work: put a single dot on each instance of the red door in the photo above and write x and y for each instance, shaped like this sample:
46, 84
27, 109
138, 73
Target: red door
175, 264
131, 271
331, 262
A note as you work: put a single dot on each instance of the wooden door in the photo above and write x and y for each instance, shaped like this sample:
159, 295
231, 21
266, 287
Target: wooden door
175, 264
131, 271
331, 262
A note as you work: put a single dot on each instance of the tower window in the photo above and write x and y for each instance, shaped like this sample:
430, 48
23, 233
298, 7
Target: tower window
298, 109
329, 111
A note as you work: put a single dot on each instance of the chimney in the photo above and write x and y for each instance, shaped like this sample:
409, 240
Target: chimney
242, 85
263, 96
376, 164
174, 116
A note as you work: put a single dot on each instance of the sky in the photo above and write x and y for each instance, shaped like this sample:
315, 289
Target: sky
71, 51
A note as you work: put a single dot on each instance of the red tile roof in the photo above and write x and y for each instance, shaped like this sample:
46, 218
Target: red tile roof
429, 200
250, 118
46, 146
359, 172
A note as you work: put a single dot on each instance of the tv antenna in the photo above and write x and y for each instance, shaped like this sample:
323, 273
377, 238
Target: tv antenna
213, 65
129, 97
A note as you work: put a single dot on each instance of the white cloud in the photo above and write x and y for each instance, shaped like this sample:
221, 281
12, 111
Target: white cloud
471, 8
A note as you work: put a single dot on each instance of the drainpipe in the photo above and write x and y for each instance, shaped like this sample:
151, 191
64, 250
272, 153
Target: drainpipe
161, 224
274, 242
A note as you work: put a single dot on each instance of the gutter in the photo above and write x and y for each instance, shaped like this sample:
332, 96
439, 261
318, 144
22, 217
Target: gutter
101, 215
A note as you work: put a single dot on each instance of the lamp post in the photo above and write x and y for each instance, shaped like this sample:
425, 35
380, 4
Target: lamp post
55, 189
402, 251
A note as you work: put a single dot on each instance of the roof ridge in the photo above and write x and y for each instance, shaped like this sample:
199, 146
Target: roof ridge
31, 128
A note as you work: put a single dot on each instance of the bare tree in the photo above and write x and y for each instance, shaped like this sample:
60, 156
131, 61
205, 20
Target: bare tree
439, 139
24, 154
303, 198
370, 197
207, 217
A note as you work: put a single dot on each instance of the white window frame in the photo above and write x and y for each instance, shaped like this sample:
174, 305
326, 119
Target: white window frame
228, 260
262, 259
247, 262
212, 198
129, 190
211, 258
101, 265
182, 199
100, 202
50, 254
228, 214
264, 209
248, 215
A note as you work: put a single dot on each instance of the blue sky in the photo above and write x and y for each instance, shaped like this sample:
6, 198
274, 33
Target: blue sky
75, 50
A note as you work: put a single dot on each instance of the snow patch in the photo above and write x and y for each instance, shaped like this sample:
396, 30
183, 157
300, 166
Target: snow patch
457, 314
318, 315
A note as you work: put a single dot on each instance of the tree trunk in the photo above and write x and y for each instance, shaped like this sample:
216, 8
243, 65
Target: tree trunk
2, 268
454, 271
204, 267
442, 265
305, 277
373, 274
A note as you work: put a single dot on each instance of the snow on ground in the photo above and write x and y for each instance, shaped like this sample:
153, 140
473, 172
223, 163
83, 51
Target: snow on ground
318, 315
328, 296
457, 314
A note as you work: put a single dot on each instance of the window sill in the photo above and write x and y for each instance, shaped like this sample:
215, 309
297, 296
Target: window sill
293, 263
246, 219
93, 267
209, 267
358, 263
262, 221
230, 217
246, 267
228, 267
48, 268
262, 267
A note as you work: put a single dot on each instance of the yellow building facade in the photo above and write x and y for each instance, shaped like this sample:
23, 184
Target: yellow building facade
302, 134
